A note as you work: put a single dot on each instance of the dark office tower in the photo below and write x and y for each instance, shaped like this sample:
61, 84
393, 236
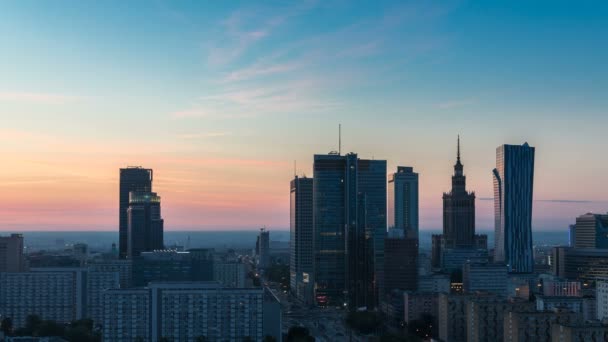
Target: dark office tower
144, 223
263, 247
403, 201
459, 210
349, 218
591, 231
513, 186
300, 222
400, 262
131, 179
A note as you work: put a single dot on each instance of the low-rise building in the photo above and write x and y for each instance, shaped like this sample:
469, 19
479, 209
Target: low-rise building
230, 274
485, 278
579, 332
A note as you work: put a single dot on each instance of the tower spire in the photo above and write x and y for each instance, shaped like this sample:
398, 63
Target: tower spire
458, 150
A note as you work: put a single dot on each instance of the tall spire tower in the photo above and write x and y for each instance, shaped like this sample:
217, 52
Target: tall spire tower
459, 209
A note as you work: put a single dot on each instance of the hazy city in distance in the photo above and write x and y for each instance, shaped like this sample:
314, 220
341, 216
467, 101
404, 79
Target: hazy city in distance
305, 171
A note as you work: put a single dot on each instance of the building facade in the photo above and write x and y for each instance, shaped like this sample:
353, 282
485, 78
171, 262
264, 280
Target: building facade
403, 201
601, 294
11, 253
484, 278
349, 215
584, 264
144, 222
131, 179
400, 264
127, 315
230, 274
579, 332
301, 235
485, 317
523, 326
513, 194
263, 251
591, 231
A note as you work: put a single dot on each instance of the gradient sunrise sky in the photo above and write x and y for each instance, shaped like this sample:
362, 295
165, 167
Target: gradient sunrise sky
220, 97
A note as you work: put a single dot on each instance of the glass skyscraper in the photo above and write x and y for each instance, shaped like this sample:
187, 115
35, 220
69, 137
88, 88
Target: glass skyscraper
349, 217
513, 187
131, 179
403, 201
301, 235
144, 222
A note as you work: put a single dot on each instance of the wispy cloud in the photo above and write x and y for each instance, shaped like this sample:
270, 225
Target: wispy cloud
456, 104
189, 136
42, 98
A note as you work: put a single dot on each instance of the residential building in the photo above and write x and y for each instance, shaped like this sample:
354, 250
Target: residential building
602, 299
579, 332
96, 284
484, 278
523, 326
349, 214
513, 188
452, 316
419, 304
301, 235
485, 317
144, 222
53, 294
124, 268
230, 274
11, 253
131, 179
574, 304
453, 259
591, 231
403, 201
127, 315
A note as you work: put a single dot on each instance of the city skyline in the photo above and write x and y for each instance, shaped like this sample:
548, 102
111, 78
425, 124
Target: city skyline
221, 100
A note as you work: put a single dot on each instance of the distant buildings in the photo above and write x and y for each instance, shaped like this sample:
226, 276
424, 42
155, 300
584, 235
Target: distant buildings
349, 203
437, 282
187, 311
591, 231
563, 288
11, 253
144, 222
458, 243
403, 201
301, 235
513, 187
131, 179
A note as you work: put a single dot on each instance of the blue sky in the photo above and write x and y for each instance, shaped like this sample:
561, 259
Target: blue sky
221, 96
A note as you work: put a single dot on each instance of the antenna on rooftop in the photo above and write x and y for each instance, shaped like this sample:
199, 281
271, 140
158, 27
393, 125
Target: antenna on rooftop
295, 170
340, 139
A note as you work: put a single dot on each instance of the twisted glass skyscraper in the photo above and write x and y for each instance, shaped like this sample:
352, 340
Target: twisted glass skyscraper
513, 186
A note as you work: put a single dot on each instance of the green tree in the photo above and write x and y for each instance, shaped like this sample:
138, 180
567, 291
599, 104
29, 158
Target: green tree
365, 322
7, 326
201, 339
269, 338
32, 322
299, 334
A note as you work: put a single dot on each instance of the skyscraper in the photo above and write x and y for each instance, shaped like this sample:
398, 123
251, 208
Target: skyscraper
458, 242
591, 231
403, 201
513, 186
300, 221
263, 245
349, 215
131, 179
459, 210
11, 253
144, 223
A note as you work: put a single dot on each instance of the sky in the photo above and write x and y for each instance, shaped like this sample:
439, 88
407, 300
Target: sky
221, 97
